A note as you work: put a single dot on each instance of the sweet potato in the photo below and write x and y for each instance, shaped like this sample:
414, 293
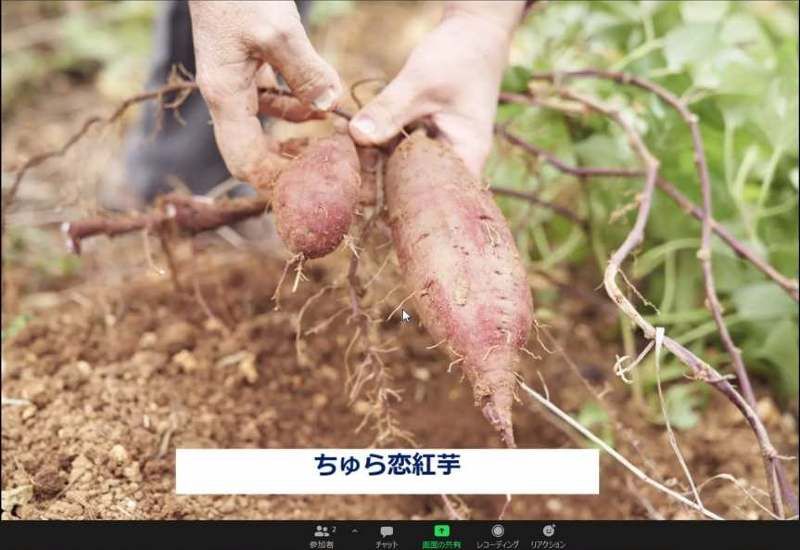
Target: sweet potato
316, 195
457, 254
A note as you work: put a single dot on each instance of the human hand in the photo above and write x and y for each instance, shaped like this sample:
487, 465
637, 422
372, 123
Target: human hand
453, 77
236, 46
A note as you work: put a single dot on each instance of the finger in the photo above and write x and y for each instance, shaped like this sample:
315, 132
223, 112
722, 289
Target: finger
279, 106
287, 108
385, 116
265, 77
230, 92
309, 76
469, 139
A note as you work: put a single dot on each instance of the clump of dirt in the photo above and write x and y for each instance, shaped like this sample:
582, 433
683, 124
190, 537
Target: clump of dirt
116, 384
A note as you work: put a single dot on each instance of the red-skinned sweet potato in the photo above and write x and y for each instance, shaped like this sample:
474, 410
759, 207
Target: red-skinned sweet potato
316, 195
458, 255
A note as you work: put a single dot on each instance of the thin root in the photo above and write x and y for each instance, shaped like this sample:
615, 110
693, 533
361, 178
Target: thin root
400, 305
289, 263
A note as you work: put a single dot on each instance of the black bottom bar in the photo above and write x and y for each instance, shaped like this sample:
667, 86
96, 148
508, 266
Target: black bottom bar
399, 535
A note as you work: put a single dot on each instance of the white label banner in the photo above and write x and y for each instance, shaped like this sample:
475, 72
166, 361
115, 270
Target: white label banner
387, 471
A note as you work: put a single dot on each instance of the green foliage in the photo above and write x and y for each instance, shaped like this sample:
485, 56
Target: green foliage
682, 404
594, 418
37, 251
17, 324
106, 40
322, 12
682, 401
735, 63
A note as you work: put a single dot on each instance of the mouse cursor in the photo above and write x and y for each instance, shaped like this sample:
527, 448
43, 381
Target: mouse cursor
404, 316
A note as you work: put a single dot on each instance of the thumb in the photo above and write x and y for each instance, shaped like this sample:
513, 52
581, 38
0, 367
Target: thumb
275, 105
385, 116
470, 138
309, 76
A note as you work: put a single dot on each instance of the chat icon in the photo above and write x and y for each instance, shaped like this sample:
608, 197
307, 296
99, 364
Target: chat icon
387, 531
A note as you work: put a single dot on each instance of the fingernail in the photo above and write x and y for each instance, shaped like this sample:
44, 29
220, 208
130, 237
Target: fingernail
325, 100
364, 125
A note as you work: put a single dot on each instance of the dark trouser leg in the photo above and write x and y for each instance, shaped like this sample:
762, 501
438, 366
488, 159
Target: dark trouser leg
187, 152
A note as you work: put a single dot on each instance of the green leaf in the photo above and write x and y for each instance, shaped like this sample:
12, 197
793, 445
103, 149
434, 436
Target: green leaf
779, 113
509, 171
17, 324
763, 301
781, 349
595, 419
742, 30
603, 150
323, 12
736, 64
682, 403
690, 44
730, 273
703, 11
515, 79
669, 372
742, 78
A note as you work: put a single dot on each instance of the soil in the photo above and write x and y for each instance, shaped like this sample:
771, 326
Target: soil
117, 369
119, 380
